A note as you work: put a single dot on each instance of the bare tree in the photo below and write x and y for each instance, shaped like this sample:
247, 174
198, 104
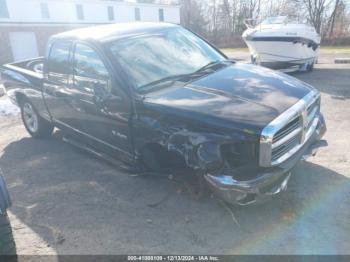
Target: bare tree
192, 16
316, 10
214, 23
332, 18
222, 21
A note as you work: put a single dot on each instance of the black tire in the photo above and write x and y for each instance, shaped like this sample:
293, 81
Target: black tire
7, 244
310, 67
40, 128
255, 60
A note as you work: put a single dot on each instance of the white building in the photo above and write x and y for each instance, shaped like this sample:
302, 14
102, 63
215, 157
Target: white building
26, 25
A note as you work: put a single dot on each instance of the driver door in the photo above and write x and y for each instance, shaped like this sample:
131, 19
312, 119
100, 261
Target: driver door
101, 108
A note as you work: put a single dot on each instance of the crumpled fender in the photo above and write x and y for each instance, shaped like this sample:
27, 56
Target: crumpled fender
200, 150
5, 200
199, 146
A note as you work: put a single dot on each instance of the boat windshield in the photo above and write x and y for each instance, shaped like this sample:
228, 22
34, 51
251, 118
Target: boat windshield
275, 20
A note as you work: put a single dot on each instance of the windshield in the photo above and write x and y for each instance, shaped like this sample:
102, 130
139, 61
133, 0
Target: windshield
150, 58
275, 20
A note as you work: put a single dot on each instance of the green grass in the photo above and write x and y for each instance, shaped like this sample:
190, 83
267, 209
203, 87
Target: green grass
335, 49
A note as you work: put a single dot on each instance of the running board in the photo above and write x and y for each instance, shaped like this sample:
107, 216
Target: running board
112, 161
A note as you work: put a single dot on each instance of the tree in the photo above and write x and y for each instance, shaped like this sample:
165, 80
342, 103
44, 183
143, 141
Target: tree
192, 16
333, 17
145, 1
222, 21
316, 10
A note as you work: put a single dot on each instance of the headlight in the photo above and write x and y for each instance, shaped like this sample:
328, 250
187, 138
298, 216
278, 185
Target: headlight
239, 154
209, 156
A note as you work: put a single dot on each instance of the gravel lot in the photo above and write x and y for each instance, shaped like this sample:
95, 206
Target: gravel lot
67, 202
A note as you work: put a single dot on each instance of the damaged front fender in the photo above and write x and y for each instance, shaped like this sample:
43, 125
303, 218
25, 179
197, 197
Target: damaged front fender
201, 150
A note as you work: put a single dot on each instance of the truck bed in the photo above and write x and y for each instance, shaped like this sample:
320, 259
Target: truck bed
23, 73
25, 79
31, 67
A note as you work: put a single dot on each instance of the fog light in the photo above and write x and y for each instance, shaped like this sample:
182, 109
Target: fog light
241, 197
247, 199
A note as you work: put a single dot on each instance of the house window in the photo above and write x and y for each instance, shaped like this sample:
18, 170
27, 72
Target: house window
80, 12
161, 15
110, 13
4, 13
137, 14
45, 14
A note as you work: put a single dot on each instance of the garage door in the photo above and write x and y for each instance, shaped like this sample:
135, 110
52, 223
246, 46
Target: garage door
23, 45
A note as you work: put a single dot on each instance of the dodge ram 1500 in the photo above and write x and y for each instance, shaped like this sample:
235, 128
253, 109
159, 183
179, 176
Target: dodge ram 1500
159, 97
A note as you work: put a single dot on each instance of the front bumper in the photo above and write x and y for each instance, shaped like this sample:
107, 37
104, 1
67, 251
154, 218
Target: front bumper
271, 181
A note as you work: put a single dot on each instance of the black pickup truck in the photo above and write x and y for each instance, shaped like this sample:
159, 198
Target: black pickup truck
159, 97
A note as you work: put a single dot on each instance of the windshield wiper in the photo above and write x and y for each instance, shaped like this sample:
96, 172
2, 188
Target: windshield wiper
163, 80
212, 63
180, 76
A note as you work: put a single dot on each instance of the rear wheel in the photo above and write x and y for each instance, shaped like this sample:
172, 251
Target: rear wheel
36, 126
7, 244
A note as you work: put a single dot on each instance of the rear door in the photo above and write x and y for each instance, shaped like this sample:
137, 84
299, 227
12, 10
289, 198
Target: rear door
56, 72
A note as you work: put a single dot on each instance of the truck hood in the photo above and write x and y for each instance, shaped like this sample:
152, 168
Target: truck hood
240, 96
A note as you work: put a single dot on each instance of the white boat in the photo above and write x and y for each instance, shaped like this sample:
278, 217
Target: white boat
279, 44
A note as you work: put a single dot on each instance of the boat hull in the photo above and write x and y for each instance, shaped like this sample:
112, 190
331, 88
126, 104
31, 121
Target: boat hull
279, 53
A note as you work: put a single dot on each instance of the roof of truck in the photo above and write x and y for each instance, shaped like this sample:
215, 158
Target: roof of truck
105, 33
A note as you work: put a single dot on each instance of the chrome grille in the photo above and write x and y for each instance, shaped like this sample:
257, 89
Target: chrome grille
290, 127
284, 148
284, 136
312, 111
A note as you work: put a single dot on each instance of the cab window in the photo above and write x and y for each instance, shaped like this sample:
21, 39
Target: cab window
89, 71
58, 62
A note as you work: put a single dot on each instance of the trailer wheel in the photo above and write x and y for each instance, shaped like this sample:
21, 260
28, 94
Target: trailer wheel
36, 126
255, 60
7, 244
310, 67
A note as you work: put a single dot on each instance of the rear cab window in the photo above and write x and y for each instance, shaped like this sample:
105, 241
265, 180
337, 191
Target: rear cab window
58, 66
89, 72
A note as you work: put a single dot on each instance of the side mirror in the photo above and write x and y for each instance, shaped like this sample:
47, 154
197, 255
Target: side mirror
100, 89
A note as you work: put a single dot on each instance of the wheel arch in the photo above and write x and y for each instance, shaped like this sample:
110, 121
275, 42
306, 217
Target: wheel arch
156, 157
20, 98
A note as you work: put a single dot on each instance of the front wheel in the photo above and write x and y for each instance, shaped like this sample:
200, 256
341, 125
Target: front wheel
36, 126
7, 244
